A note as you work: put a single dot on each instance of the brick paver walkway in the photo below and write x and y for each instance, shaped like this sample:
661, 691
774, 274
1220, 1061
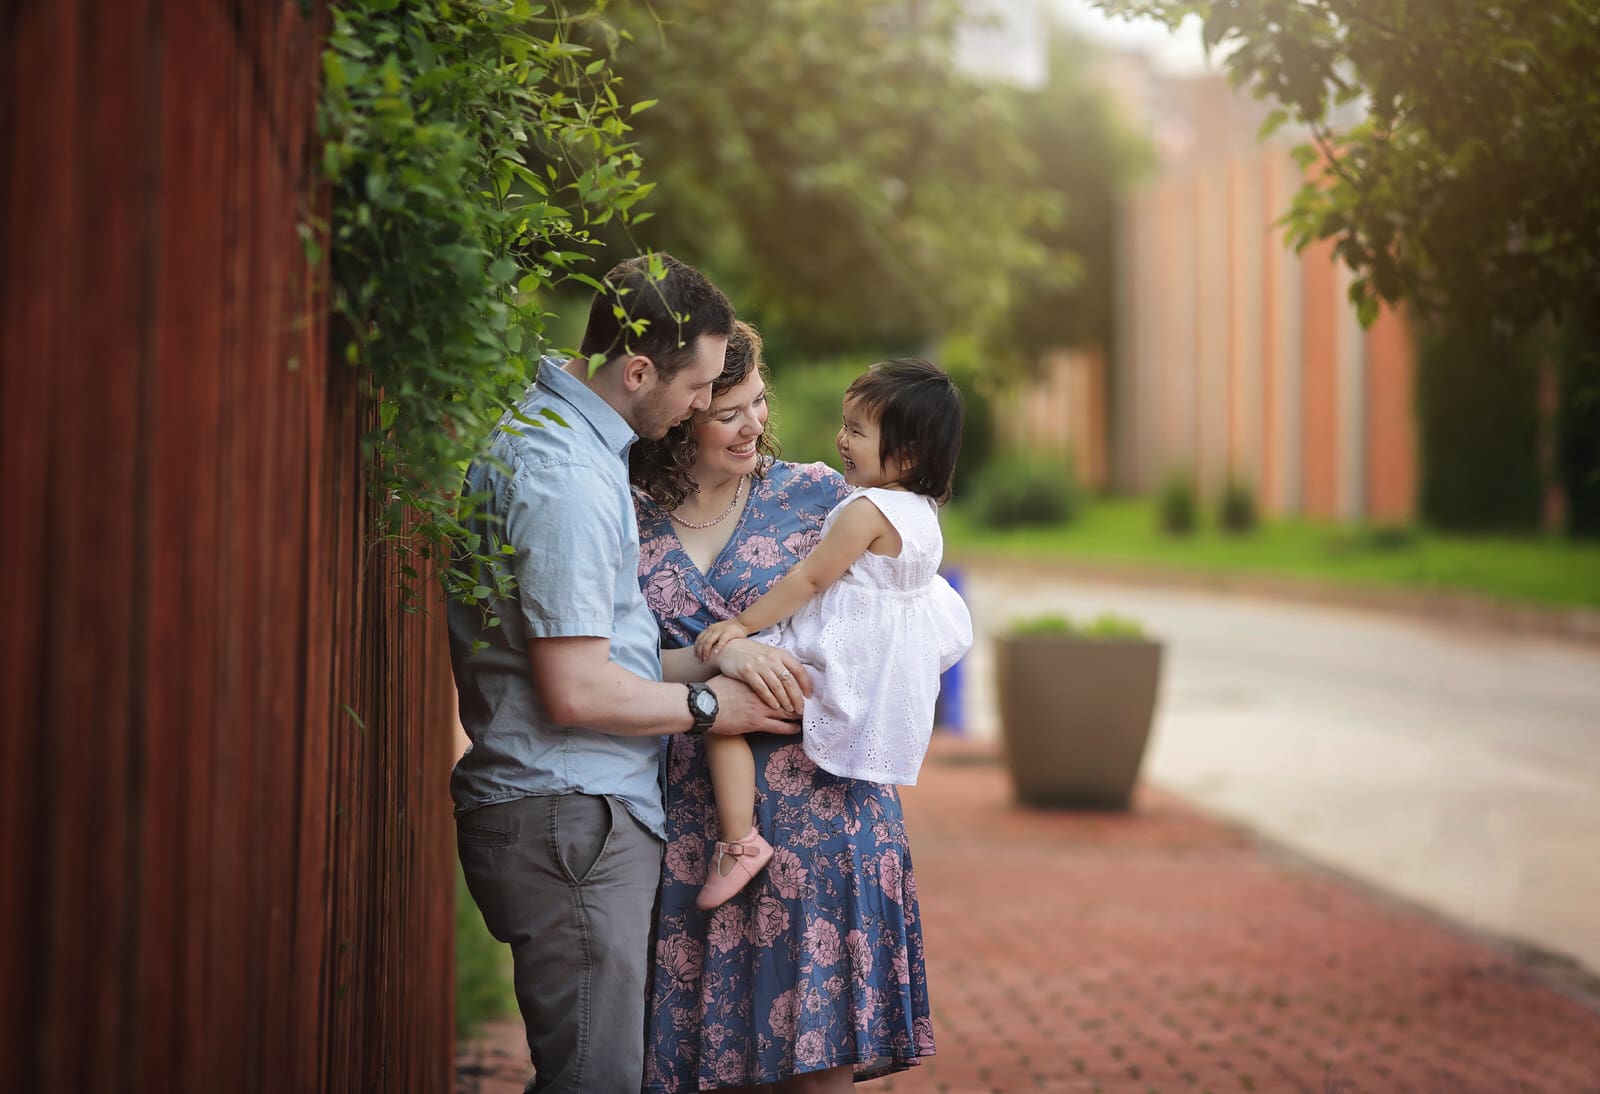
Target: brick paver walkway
1162, 951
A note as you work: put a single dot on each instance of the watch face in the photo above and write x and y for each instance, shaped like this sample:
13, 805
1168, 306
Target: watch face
705, 701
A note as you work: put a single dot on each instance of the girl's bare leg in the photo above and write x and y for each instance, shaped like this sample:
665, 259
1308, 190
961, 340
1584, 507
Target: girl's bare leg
733, 781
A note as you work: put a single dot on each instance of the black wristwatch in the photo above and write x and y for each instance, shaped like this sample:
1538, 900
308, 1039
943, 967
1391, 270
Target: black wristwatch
702, 708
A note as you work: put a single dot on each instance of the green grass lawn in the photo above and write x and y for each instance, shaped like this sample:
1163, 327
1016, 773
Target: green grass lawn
1529, 569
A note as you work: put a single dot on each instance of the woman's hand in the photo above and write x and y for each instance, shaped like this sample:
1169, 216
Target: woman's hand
777, 676
715, 637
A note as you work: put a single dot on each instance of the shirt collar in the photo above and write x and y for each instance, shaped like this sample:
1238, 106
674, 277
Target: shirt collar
613, 431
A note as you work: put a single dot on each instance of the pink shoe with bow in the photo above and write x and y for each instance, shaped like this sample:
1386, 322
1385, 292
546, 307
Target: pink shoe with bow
733, 867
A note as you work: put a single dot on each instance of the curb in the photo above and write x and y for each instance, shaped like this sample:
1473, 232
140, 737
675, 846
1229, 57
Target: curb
1578, 625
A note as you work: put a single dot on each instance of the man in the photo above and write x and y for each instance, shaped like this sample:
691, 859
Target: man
559, 814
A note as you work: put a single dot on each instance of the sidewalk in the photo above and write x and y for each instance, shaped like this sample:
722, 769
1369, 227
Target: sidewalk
1452, 766
1161, 950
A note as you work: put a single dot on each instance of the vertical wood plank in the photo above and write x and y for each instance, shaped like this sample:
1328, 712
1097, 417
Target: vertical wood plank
239, 890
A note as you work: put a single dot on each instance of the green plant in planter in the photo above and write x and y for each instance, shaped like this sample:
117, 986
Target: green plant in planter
1105, 625
1175, 505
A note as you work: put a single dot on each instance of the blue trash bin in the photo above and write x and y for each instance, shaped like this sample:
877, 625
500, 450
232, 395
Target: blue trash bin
947, 711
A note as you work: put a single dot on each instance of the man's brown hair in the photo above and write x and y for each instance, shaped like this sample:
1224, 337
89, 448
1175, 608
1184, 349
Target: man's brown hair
669, 311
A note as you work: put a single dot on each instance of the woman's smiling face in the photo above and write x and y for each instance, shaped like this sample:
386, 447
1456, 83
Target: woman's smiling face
726, 432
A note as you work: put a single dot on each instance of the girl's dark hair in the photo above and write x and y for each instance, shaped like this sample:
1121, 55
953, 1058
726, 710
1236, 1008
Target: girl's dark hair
660, 469
920, 412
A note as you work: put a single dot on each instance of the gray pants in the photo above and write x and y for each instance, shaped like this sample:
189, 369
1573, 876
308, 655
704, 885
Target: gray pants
569, 882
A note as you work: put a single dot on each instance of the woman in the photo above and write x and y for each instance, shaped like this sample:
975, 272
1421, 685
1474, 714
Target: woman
813, 976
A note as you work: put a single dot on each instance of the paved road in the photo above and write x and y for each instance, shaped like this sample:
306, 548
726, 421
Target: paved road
1456, 768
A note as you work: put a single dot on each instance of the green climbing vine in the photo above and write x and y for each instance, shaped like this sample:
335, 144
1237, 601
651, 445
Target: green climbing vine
472, 148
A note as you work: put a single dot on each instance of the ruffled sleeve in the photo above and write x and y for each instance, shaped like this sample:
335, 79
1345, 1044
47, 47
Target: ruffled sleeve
951, 622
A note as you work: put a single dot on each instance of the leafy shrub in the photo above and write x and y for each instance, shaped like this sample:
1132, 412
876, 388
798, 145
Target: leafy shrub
470, 152
483, 967
1041, 624
1025, 489
964, 358
1175, 506
1106, 625
1391, 537
1112, 626
1236, 508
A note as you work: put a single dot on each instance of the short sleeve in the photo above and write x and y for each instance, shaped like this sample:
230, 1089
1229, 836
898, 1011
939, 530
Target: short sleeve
564, 522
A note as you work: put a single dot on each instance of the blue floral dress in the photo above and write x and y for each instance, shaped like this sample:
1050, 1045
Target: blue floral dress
817, 963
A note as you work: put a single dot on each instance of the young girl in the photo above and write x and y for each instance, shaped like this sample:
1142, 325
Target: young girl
866, 610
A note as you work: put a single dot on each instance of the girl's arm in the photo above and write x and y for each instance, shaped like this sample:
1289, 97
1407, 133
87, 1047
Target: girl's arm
857, 530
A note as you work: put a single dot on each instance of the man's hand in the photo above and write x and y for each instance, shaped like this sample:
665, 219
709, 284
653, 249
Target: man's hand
741, 710
715, 637
775, 675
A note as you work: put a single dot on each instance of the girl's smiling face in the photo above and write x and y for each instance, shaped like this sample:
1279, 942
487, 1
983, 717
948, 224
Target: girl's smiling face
726, 432
860, 449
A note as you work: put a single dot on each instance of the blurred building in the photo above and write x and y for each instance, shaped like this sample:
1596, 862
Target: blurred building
1236, 356
1063, 411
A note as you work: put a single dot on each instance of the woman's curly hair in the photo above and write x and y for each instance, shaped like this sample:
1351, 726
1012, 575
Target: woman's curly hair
660, 469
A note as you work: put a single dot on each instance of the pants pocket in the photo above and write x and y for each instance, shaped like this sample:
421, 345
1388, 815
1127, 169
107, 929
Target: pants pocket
477, 834
581, 827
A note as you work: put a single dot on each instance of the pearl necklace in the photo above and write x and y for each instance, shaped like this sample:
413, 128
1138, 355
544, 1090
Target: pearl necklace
737, 492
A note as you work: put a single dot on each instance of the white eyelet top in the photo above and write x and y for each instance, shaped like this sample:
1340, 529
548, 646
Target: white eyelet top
875, 642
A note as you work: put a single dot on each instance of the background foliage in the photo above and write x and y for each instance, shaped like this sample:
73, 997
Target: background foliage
1022, 488
853, 189
1087, 160
1478, 425
446, 244
1468, 186
848, 185
1578, 421
861, 196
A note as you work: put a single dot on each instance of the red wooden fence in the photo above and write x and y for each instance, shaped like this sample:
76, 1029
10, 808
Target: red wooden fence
213, 878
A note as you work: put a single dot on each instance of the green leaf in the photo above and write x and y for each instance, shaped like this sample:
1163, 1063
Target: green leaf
333, 70
1367, 309
1272, 123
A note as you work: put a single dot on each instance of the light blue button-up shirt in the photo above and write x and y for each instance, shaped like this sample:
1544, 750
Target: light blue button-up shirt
562, 503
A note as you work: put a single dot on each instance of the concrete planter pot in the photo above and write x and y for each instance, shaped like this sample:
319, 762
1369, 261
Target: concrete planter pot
1075, 713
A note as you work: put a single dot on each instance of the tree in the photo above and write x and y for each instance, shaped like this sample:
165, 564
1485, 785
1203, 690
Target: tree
834, 169
1086, 159
1468, 188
